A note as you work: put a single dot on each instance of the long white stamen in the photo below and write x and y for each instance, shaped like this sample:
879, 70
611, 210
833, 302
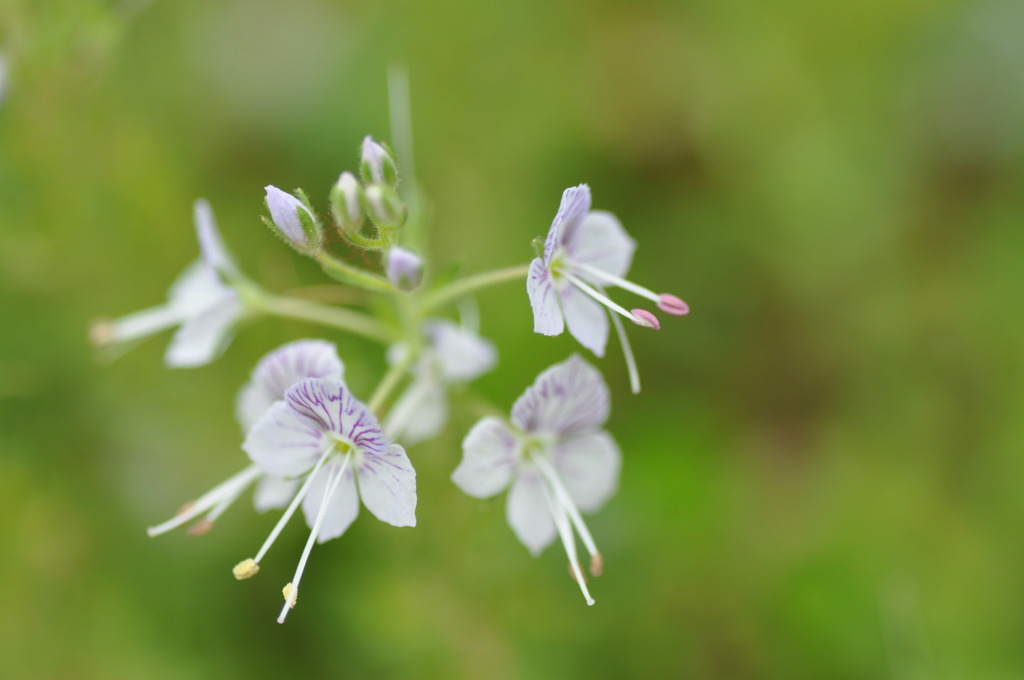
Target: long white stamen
565, 499
293, 592
224, 493
290, 510
615, 280
137, 325
568, 541
627, 351
603, 299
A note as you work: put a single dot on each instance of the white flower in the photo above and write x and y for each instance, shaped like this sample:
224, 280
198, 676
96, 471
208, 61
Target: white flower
584, 252
273, 375
453, 355
554, 457
202, 302
324, 435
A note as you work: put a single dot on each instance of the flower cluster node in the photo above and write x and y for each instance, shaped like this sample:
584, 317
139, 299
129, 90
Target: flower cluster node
313, 445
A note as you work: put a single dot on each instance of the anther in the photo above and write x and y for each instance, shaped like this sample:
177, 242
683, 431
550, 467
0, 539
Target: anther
187, 507
291, 595
670, 304
641, 317
246, 569
200, 527
101, 332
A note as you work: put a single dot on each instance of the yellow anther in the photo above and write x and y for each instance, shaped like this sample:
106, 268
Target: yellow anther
291, 595
246, 569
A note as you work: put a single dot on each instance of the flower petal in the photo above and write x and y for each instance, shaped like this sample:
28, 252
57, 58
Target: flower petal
420, 413
273, 493
589, 467
194, 289
282, 368
586, 318
328, 404
342, 508
203, 337
566, 399
284, 441
547, 316
490, 454
601, 242
387, 485
528, 512
211, 246
462, 355
574, 207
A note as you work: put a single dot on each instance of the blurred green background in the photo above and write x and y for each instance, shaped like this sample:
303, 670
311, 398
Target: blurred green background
822, 475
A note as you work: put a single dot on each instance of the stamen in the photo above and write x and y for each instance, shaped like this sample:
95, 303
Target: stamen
568, 542
596, 564
603, 299
290, 510
202, 526
670, 304
615, 280
646, 319
135, 325
227, 491
627, 351
549, 472
246, 569
291, 591
291, 595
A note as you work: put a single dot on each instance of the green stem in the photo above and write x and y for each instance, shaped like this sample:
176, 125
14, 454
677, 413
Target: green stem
326, 315
358, 240
390, 381
346, 273
469, 284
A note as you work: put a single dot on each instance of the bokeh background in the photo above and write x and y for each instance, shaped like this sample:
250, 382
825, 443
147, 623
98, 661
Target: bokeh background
822, 475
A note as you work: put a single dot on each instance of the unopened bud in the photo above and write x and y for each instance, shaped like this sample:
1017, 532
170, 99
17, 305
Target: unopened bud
292, 220
641, 317
384, 206
377, 165
347, 203
670, 304
246, 569
404, 268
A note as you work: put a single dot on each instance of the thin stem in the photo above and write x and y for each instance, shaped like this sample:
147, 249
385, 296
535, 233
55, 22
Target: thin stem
356, 239
469, 284
395, 373
346, 273
325, 315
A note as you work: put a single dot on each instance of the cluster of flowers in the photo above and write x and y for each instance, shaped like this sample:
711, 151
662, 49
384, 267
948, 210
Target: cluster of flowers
313, 443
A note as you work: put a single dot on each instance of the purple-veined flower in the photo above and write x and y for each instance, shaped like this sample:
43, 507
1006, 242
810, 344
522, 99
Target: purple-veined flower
323, 435
452, 355
554, 457
586, 251
273, 375
203, 303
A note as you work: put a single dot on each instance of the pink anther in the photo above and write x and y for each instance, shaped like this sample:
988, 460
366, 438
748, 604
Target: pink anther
641, 317
670, 304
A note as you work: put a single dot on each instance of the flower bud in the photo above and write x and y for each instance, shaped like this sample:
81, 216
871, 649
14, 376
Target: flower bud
384, 206
404, 268
292, 220
377, 165
347, 203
